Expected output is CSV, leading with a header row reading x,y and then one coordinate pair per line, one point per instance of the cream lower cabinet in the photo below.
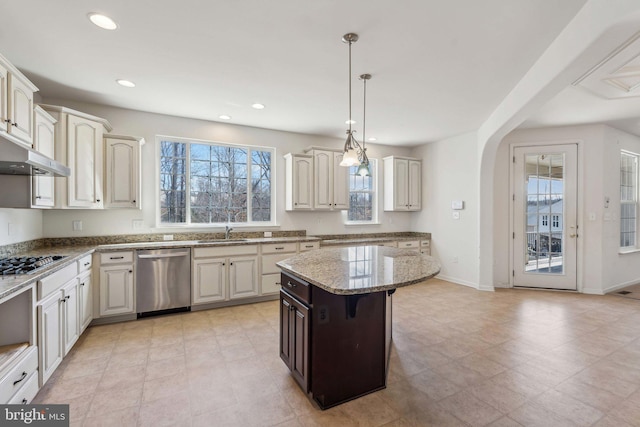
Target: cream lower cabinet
x,y
116,283
224,273
70,314
50,331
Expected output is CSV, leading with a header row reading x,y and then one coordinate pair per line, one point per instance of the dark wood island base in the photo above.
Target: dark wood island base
x,y
337,346
335,317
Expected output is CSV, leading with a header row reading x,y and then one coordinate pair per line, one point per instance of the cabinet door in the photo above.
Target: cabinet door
x,y
122,173
116,290
285,328
414,194
50,347
340,183
44,142
401,185
299,336
323,179
84,157
243,277
71,316
4,98
85,298
270,284
302,183
20,110
209,280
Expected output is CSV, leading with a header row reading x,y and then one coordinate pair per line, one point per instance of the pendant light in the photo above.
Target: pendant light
x,y
354,153
350,157
363,169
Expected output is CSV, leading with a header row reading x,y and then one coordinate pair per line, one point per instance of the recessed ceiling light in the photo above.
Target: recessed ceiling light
x,y
258,106
372,139
125,83
103,21
224,117
350,122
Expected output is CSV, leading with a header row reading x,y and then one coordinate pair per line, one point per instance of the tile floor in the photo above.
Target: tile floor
x,y
460,357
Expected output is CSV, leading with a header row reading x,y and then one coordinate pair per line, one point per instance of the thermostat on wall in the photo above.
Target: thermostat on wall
x,y
457,204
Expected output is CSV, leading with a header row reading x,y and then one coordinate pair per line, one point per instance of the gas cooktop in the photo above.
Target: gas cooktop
x,y
26,265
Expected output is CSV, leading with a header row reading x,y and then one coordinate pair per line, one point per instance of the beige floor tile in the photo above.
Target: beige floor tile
x,y
81,368
127,417
433,385
470,409
172,410
504,422
592,396
370,410
568,407
534,415
109,401
166,367
498,396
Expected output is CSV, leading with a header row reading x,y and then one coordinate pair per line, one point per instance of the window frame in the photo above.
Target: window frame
x,y
373,168
630,202
188,224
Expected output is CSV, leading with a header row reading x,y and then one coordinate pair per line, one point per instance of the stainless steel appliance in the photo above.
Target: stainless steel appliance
x,y
26,265
16,159
163,280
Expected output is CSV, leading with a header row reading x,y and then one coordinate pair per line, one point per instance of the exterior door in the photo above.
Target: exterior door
x,y
545,228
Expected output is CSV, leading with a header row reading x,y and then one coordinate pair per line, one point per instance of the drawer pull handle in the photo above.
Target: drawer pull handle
x,y
116,257
279,248
278,283
291,285
24,375
25,401
308,246
87,264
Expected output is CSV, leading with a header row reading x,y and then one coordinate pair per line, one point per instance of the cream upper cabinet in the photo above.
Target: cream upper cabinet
x,y
330,180
80,146
402,184
299,182
43,142
16,104
122,171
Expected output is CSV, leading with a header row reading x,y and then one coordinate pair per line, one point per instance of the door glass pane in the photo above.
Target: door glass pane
x,y
544,186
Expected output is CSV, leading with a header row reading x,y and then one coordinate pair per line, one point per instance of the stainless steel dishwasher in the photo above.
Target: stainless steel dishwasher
x,y
163,280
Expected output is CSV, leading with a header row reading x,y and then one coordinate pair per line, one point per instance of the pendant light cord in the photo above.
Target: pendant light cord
x,y
350,42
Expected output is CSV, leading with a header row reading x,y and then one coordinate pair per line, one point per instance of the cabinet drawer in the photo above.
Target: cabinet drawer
x,y
270,284
52,282
269,262
84,263
308,246
409,244
28,391
224,251
296,287
272,248
16,378
123,257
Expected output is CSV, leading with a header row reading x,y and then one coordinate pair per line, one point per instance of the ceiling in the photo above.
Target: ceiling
x,y
439,68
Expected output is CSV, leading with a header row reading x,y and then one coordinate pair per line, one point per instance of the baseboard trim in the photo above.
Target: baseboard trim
x,y
464,282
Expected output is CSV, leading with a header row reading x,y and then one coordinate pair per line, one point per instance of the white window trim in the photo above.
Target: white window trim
x,y
376,198
636,247
159,225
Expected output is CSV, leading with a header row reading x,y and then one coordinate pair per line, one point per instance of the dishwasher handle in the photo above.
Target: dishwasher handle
x,y
172,255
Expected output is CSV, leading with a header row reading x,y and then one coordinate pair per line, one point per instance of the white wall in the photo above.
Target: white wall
x,y
449,171
58,223
601,268
19,225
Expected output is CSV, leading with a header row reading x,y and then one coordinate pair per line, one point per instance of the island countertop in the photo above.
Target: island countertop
x,y
361,269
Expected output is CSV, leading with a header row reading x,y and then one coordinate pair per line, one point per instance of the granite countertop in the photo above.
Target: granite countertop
x,y
361,269
13,283
373,240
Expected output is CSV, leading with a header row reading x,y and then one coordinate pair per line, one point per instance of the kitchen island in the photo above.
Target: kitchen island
x,y
336,313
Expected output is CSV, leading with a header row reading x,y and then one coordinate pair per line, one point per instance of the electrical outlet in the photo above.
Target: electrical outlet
x,y
167,236
268,234
454,260
77,225
138,223
9,229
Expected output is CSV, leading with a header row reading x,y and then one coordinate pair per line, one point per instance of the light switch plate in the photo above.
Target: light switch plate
x,y
457,204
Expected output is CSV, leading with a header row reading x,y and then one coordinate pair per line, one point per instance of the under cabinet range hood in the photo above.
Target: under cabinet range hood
x,y
16,159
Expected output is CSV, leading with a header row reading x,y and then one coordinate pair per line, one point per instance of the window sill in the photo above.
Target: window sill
x,y
200,227
361,223
628,251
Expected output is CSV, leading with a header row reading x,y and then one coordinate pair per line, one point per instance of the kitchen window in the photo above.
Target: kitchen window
x,y
628,199
362,196
204,183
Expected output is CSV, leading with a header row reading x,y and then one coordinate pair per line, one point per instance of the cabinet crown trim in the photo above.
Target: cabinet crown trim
x,y
314,147
61,109
17,73
138,139
402,158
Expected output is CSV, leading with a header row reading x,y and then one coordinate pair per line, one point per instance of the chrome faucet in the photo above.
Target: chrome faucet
x,y
227,231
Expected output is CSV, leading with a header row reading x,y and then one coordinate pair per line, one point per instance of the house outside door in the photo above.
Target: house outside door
x,y
545,227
